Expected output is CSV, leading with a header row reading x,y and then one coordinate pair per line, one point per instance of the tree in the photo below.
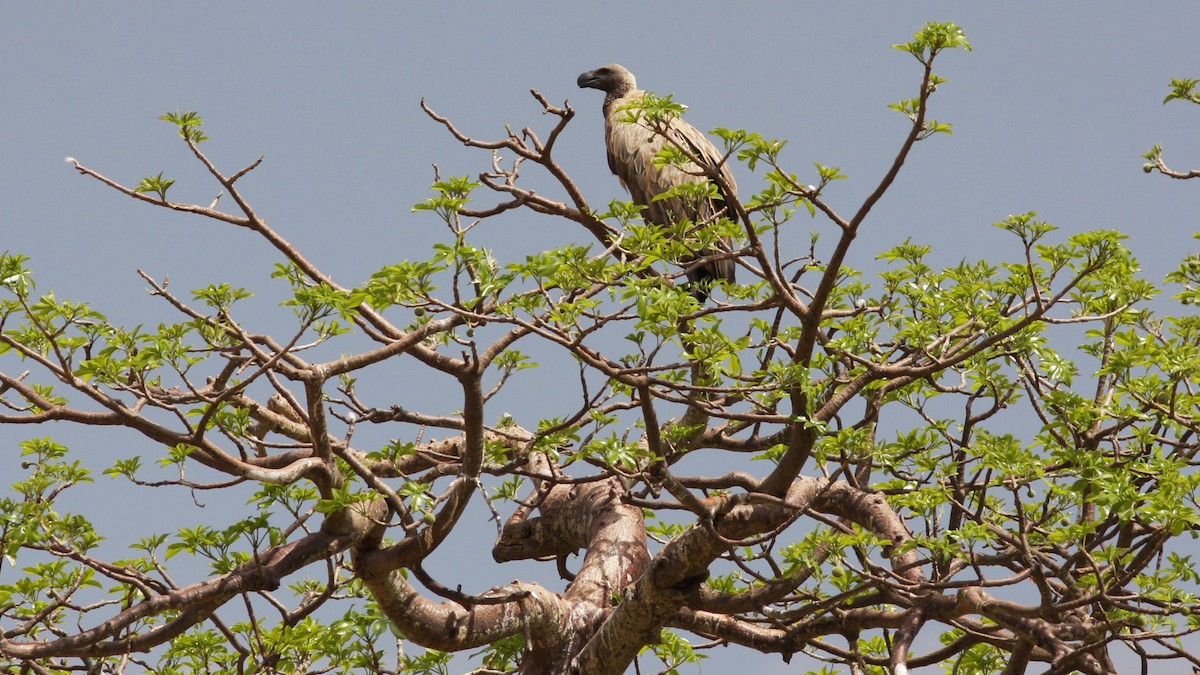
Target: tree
x,y
1021,501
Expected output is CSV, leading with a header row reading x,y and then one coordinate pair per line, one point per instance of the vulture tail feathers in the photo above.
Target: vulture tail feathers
x,y
702,276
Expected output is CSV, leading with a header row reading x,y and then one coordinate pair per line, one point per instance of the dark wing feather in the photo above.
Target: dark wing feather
x,y
697,144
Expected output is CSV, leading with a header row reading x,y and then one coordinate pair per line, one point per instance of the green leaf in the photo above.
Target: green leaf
x,y
156,184
188,123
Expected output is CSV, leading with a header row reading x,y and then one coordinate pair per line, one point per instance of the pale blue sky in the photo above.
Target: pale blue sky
x,y
1050,112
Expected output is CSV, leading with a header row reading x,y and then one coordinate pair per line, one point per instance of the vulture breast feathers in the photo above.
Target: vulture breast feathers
x,y
631,149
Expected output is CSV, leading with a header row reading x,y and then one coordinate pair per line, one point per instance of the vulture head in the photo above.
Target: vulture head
x,y
613,79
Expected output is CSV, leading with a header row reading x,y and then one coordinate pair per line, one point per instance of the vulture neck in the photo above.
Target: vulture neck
x,y
619,97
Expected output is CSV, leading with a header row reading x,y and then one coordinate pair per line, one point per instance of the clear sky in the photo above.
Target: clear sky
x,y
1050,113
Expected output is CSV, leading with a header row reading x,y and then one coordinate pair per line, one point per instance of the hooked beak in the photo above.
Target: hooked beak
x,y
588,80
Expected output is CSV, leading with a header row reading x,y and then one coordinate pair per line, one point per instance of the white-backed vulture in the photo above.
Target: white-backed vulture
x,y
631,150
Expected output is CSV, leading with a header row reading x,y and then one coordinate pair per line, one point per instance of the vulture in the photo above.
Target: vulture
x,y
631,149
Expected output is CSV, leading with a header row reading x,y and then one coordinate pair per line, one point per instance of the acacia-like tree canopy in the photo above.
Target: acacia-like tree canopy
x,y
988,467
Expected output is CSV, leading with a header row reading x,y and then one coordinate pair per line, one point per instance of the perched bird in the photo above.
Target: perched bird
x,y
631,150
